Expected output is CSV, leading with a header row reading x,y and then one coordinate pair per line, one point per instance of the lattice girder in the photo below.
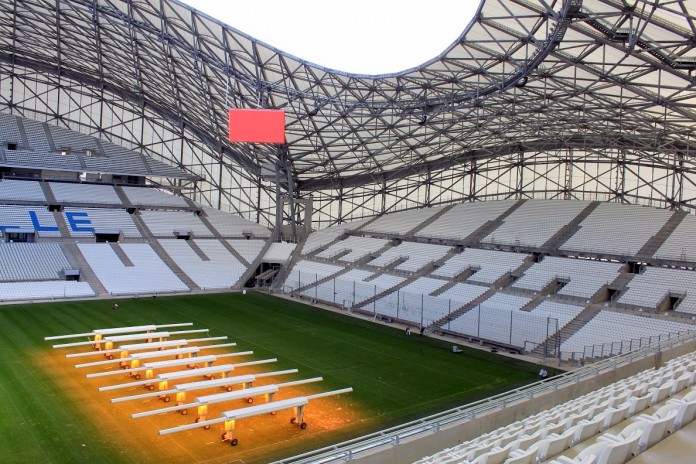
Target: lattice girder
x,y
526,79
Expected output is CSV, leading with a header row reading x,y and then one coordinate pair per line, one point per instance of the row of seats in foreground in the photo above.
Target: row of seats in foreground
x,y
608,426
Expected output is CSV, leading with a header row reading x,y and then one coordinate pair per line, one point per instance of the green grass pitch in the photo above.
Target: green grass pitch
x,y
395,377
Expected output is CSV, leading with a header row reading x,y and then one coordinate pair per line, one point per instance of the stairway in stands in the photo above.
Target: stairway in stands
x,y
152,241
564,233
122,196
77,261
224,242
22,132
125,260
48,193
196,249
424,271
440,323
572,327
621,282
378,271
430,220
489,226
173,266
361,263
655,242
459,278
503,281
357,264
62,226
255,264
325,246
295,257
142,228
619,286
534,302
322,280
57,215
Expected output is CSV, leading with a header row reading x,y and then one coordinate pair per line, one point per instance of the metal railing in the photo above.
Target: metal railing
x,y
350,449
604,350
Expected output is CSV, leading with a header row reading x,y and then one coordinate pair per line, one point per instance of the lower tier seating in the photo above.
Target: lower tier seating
x,y
610,425
147,274
45,290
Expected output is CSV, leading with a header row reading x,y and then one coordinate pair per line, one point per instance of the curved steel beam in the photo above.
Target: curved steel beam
x,y
579,142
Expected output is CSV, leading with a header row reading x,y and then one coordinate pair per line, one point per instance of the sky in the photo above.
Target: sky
x,y
357,36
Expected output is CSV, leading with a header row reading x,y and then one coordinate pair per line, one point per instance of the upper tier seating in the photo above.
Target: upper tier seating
x,y
491,265
462,220
416,255
681,244
121,159
9,129
147,196
149,274
36,134
28,218
608,326
655,284
230,225
21,190
323,237
279,252
221,270
248,249
535,222
357,247
159,168
166,223
402,222
76,141
585,277
614,228
120,165
72,151
40,159
85,222
31,261
66,192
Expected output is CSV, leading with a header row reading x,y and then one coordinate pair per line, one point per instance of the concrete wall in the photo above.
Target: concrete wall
x,y
416,448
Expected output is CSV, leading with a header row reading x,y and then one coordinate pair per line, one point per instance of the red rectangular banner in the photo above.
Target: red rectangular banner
x,y
257,126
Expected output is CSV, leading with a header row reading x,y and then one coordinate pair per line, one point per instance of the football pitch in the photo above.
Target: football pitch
x,y
51,413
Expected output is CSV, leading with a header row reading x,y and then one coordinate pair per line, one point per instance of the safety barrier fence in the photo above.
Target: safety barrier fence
x,y
495,324
352,449
604,350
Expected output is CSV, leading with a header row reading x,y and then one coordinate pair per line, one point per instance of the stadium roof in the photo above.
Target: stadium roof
x,y
585,82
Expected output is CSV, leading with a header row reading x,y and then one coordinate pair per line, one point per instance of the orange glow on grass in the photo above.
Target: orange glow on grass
x,y
260,438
